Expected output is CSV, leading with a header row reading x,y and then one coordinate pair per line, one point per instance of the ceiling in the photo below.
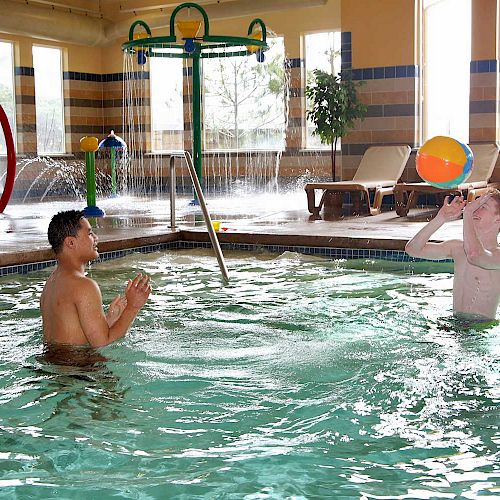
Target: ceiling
x,y
114,10
99,22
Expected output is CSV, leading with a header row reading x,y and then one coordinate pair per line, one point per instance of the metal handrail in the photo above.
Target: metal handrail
x,y
173,156
206,215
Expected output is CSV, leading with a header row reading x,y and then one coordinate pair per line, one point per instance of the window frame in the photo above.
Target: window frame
x,y
230,150
305,138
423,133
151,107
13,125
61,66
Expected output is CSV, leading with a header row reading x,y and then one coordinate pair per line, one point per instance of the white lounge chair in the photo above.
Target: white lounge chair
x,y
485,158
379,171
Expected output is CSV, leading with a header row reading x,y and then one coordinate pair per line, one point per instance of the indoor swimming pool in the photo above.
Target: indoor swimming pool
x,y
303,378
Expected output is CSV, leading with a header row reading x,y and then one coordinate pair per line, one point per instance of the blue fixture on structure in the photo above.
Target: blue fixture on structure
x,y
113,142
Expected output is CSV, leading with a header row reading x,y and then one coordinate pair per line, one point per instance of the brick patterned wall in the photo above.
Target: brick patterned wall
x,y
483,105
25,110
83,108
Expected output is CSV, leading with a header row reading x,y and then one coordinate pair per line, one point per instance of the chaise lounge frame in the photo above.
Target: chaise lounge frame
x,y
485,158
379,170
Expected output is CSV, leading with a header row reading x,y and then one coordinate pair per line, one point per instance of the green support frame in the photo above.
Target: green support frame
x,y
197,48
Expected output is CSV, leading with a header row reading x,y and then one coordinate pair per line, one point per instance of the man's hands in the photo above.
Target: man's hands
x,y
452,210
115,310
472,206
137,292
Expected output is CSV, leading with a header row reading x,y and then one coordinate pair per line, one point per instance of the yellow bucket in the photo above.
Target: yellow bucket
x,y
216,225
189,29
254,48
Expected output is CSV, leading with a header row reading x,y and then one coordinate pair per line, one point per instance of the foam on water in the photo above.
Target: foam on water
x,y
302,378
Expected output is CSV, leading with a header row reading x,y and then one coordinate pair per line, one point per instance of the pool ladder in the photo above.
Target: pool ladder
x,y
203,205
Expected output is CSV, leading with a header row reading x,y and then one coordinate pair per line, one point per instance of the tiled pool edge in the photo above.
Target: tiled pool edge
x,y
327,252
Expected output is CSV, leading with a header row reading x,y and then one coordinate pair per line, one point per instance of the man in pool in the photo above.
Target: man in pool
x,y
71,303
476,284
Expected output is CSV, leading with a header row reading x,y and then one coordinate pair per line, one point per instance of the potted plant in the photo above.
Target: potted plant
x,y
334,107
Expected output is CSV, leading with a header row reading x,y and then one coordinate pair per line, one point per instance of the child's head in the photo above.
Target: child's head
x,y
61,226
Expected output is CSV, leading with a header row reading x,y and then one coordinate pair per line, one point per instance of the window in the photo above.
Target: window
x,y
446,74
322,52
49,100
7,99
167,121
244,101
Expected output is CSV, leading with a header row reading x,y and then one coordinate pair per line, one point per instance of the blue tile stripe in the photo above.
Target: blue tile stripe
x,y
24,71
110,77
327,252
345,50
295,62
385,72
484,66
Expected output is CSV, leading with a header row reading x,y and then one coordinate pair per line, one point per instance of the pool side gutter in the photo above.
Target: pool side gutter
x,y
328,246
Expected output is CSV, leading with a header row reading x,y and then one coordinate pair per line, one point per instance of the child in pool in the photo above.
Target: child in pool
x,y
476,284
71,303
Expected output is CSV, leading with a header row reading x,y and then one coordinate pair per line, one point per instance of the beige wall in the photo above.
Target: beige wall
x,y
382,31
483,35
77,57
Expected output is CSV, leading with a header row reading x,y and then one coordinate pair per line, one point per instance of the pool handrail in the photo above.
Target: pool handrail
x,y
173,156
206,215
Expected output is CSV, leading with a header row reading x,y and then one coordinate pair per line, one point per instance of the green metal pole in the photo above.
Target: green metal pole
x,y
90,168
113,171
197,116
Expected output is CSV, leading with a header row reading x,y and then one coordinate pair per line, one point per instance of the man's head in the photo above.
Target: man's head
x,y
487,215
61,226
494,196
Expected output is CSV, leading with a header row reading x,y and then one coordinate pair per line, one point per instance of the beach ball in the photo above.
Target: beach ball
x,y
444,162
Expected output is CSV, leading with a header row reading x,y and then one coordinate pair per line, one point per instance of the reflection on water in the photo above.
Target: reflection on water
x,y
301,378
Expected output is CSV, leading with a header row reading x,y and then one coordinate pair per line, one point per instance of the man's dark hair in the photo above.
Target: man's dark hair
x,y
62,225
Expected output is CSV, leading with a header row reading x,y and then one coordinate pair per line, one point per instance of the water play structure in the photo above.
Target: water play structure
x,y
189,45
11,161
90,145
114,144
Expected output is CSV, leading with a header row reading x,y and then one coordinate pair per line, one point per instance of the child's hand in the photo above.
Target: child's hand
x,y
452,210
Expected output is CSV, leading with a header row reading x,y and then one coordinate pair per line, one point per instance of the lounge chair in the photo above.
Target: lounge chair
x,y
379,170
485,157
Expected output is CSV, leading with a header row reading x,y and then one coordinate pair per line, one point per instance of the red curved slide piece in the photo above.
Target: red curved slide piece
x,y
11,161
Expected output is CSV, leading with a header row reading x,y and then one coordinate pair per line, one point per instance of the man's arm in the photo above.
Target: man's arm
x,y
92,319
476,254
419,245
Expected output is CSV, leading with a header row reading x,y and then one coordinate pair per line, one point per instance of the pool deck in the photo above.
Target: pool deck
x,y
262,220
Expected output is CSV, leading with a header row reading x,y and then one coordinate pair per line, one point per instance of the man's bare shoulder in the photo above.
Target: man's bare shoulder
x,y
86,286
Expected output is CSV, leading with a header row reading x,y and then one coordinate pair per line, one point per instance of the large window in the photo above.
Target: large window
x,y
446,73
49,102
322,51
7,90
167,121
244,101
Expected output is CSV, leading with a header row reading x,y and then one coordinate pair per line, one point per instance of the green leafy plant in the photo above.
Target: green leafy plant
x,y
334,107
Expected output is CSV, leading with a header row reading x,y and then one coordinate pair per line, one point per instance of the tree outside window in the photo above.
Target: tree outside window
x,y
244,101
322,52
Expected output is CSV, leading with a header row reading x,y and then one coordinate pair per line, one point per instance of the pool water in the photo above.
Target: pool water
x,y
303,378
